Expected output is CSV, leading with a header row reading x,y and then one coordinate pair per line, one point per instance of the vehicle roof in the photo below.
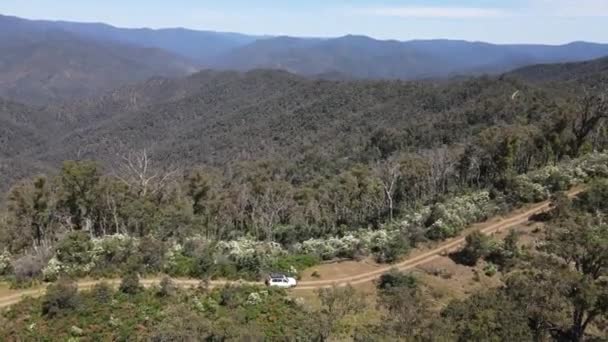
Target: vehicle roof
x,y
277,275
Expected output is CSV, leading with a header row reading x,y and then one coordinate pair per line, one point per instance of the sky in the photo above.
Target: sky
x,y
497,21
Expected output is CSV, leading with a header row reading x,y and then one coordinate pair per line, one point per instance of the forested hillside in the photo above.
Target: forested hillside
x,y
593,72
228,175
215,117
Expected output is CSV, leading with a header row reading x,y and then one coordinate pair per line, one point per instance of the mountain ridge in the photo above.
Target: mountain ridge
x,y
39,66
357,56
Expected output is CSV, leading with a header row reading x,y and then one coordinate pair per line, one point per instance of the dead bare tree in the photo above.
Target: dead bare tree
x,y
269,207
442,162
593,109
137,172
389,172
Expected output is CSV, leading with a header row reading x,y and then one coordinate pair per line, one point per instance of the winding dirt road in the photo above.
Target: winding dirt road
x,y
412,262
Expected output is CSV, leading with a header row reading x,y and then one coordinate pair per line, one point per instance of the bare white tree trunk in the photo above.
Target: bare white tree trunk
x,y
138,174
389,173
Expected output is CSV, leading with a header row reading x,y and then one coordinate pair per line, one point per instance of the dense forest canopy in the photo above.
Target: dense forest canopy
x,y
216,117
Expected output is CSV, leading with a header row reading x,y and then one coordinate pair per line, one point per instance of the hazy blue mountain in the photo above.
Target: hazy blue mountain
x,y
364,57
200,46
348,57
40,65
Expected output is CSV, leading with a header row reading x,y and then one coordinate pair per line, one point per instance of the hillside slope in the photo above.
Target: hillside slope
x,y
215,117
594,70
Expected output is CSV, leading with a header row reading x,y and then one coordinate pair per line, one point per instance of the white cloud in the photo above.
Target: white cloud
x,y
527,8
434,12
570,8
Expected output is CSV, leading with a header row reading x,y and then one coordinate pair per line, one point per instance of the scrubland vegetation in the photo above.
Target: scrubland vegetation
x,y
556,290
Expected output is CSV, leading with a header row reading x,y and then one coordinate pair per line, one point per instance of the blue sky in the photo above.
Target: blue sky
x,y
506,21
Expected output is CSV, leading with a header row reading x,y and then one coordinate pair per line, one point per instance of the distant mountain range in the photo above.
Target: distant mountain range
x,y
367,58
41,65
44,62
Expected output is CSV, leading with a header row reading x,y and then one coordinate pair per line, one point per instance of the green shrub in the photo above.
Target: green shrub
x,y
167,288
506,254
490,270
59,297
103,293
75,249
112,253
151,252
205,264
478,245
252,265
130,284
182,266
559,181
523,189
395,279
225,269
288,235
596,198
294,264
393,250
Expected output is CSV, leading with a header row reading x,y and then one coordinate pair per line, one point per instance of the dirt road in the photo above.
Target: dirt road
x,y
412,262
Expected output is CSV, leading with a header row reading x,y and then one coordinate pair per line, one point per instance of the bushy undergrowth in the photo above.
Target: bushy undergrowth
x,y
5,263
158,314
450,218
79,255
538,185
196,257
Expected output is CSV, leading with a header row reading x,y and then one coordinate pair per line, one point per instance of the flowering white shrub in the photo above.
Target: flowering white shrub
x,y
376,239
594,164
318,247
538,185
529,191
52,270
243,247
207,304
292,270
416,219
451,217
559,177
105,249
112,246
256,298
173,253
361,241
5,262
574,171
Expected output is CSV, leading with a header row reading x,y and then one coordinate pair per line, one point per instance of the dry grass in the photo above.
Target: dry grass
x,y
340,270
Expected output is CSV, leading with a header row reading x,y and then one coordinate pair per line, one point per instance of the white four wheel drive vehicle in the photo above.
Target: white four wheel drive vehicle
x,y
280,280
